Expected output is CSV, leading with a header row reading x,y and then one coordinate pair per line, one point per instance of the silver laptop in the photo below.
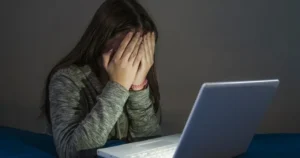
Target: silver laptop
x,y
222,123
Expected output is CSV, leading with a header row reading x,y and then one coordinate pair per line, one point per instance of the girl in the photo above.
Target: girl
x,y
106,87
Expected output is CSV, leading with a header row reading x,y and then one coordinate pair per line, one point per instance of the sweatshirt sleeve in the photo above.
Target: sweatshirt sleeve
x,y
73,127
144,122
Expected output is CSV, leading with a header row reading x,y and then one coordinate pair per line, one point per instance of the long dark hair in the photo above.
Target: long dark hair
x,y
112,17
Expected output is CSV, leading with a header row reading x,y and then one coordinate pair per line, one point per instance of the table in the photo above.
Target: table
x,y
21,144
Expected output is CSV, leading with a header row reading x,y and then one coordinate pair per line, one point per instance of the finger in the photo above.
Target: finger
x,y
148,42
153,42
149,56
136,50
152,45
148,49
106,58
123,46
139,56
149,52
129,49
145,49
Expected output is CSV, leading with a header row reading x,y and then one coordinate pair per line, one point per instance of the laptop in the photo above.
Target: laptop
x,y
221,124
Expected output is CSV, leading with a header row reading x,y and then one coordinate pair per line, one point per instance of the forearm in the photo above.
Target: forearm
x,y
75,129
143,119
90,133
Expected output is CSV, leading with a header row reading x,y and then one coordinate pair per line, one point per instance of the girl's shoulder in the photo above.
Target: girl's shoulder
x,y
73,73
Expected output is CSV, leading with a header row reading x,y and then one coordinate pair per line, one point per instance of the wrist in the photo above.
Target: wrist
x,y
139,87
124,85
139,81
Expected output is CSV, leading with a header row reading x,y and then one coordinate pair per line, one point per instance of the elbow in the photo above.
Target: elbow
x,y
67,151
76,148
66,148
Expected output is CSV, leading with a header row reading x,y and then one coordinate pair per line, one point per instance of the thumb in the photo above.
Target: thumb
x,y
106,58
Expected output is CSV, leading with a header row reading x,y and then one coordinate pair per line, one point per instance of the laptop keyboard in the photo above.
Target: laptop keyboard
x,y
164,152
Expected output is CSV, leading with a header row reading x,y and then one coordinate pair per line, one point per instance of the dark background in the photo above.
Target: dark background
x,y
200,41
